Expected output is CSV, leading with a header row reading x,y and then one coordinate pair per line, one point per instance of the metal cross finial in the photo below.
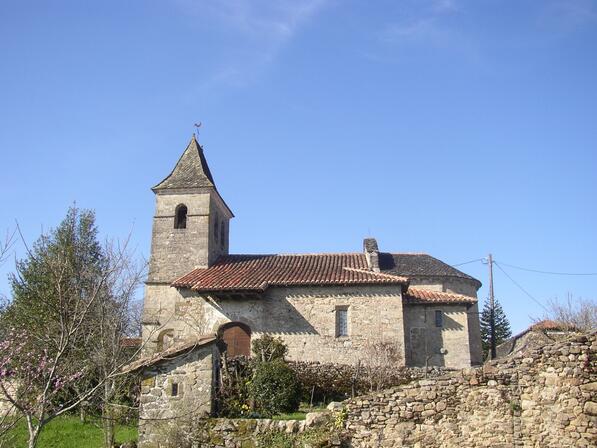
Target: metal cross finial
x,y
198,125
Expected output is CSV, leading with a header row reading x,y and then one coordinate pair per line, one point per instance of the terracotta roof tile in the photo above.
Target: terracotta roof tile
x,y
258,272
420,295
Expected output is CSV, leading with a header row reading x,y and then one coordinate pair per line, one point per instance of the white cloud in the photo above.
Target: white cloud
x,y
276,19
421,21
443,6
261,29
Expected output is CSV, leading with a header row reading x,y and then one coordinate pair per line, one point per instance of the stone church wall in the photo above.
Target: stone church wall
x,y
548,399
447,345
305,319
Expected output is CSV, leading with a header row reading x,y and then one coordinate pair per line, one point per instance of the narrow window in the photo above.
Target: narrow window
x,y
174,389
222,233
180,217
216,229
341,322
439,318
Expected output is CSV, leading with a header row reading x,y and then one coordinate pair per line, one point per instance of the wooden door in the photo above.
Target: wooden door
x,y
237,340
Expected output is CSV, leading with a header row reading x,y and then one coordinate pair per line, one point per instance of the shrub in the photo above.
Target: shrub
x,y
233,399
268,348
274,388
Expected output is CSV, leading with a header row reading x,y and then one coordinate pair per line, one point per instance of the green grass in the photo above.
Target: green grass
x,y
69,432
291,416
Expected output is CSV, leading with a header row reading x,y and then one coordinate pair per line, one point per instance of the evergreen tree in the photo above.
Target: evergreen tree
x,y
64,265
502,326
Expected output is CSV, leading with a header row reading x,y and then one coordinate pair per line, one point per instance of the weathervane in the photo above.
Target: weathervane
x,y
198,125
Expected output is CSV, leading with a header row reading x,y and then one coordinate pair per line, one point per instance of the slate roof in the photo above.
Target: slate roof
x,y
191,170
169,353
258,272
419,265
416,295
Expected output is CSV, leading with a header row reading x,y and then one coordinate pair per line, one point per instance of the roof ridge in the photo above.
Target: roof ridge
x,y
417,288
294,254
408,253
381,274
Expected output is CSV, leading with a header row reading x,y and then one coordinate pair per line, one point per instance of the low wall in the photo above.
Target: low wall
x,y
331,381
251,433
547,399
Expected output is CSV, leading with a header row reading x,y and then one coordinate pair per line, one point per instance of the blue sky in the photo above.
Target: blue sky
x,y
451,127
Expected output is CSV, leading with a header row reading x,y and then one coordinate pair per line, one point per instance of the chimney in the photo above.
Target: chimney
x,y
371,253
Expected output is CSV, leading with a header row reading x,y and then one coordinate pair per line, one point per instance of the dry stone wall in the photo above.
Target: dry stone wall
x,y
317,430
546,399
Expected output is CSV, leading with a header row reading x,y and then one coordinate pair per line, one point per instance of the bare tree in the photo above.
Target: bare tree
x,y
114,320
575,314
6,245
382,360
8,419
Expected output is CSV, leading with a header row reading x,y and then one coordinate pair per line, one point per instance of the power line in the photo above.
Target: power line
x,y
520,287
547,272
467,262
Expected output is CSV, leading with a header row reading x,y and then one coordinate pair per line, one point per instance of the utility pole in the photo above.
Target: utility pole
x,y
492,307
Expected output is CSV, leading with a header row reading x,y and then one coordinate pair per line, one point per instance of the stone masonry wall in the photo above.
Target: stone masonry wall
x,y
175,252
447,345
305,319
162,409
547,399
253,433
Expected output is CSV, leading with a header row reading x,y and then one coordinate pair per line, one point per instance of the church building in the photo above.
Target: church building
x,y
327,307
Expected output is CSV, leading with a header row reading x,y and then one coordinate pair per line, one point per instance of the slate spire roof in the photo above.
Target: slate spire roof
x,y
191,171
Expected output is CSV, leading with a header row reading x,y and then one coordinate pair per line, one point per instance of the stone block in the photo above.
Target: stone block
x,y
590,408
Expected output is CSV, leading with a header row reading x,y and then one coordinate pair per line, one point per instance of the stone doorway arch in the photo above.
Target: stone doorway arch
x,y
236,338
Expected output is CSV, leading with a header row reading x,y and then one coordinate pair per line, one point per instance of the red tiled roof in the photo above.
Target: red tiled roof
x,y
258,272
419,295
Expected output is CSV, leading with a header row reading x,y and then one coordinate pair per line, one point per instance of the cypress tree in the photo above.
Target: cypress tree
x,y
502,326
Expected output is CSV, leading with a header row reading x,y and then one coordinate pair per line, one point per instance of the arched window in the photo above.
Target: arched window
x,y
165,339
236,338
222,234
216,229
180,217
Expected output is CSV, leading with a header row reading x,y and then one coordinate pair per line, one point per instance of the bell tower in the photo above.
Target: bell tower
x,y
191,221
